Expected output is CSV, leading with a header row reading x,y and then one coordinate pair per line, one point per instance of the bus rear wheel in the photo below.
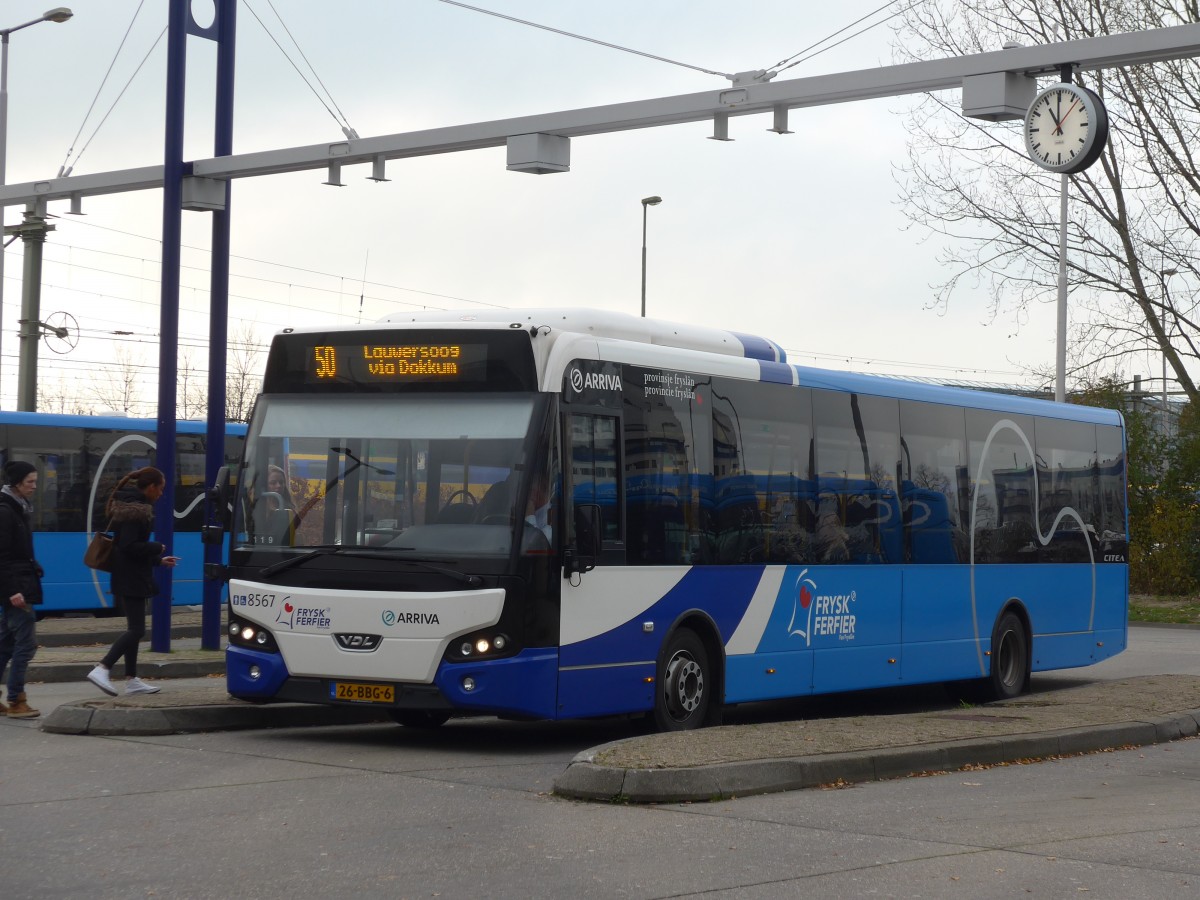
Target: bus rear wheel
x,y
419,718
684,689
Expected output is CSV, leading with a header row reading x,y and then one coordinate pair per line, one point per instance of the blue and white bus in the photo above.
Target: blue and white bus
x,y
79,460
570,513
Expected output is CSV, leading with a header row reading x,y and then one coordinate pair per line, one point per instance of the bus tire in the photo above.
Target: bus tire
x,y
419,718
1010,660
685,684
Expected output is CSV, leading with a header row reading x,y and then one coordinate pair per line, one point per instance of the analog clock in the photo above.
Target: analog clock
x,y
1066,128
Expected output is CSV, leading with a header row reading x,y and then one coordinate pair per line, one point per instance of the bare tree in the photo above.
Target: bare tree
x,y
56,397
119,389
1134,233
243,376
192,394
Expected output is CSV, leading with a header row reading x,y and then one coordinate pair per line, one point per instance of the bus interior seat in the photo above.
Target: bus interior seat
x,y
277,526
499,499
456,514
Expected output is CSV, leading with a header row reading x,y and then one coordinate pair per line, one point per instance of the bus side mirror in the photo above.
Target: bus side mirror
x,y
588,530
218,497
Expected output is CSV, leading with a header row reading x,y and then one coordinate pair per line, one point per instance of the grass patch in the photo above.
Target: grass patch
x,y
1164,609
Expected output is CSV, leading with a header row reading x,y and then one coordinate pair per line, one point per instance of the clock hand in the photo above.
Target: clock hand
x,y
1070,109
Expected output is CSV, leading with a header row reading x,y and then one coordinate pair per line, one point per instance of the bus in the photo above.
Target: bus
x,y
79,460
562,513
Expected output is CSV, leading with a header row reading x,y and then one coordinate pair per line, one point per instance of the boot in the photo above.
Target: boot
x,y
3,709
21,709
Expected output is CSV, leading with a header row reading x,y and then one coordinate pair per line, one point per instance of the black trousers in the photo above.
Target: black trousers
x,y
127,644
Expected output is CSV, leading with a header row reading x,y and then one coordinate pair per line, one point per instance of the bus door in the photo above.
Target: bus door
x,y
604,656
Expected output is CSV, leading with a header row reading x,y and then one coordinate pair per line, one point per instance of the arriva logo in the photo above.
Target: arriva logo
x,y
598,381
391,617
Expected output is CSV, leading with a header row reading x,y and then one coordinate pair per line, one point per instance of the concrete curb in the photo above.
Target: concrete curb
x,y
584,780
58,673
90,717
49,638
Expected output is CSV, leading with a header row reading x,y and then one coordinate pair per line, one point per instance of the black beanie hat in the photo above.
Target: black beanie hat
x,y
17,471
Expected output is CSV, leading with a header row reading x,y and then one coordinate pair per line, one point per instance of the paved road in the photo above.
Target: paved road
x,y
380,811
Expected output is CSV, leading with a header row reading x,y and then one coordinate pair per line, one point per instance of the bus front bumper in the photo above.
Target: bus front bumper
x,y
525,685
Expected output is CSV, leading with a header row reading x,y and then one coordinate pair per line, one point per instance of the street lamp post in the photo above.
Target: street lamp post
x,y
646,202
58,14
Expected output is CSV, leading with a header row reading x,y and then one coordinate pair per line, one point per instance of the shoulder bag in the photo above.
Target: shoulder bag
x,y
99,551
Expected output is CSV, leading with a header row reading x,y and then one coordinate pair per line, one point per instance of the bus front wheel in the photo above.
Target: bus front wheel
x,y
419,718
684,689
1009,675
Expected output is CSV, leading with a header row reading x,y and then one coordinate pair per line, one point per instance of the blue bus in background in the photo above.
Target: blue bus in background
x,y
79,460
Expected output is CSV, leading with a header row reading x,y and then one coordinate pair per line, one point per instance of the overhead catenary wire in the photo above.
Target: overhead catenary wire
x,y
581,37
251,259
780,66
200,341
341,120
65,169
346,126
788,59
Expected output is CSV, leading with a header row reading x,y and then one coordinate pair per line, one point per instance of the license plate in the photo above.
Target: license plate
x,y
362,693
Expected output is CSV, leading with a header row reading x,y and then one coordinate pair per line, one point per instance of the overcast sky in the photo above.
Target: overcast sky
x,y
797,237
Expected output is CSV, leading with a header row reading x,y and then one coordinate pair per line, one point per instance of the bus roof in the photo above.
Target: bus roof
x,y
110,421
613,328
613,325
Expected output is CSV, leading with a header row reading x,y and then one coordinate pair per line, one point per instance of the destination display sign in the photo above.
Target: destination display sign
x,y
367,362
394,360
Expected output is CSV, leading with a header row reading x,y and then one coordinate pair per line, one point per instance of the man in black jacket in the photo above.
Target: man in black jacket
x,y
20,584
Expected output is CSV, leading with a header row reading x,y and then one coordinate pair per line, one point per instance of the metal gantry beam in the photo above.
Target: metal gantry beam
x,y
772,97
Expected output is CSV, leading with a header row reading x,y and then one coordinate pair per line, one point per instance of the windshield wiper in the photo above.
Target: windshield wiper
x,y
296,560
367,553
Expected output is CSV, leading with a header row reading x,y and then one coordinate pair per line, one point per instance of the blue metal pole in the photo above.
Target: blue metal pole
x,y
218,325
172,235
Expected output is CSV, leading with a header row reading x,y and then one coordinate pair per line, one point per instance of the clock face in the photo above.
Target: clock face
x,y
1066,128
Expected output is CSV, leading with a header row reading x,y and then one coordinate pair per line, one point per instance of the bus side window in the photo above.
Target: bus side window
x,y
592,460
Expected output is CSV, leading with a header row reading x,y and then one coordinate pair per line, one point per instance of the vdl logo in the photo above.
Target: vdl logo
x,y
602,381
357,643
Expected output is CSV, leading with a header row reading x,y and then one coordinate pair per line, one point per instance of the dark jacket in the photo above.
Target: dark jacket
x,y
19,571
134,554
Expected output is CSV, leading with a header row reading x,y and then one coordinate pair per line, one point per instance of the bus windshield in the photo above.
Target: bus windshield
x,y
427,476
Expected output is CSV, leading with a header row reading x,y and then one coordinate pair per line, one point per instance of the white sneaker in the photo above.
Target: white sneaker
x,y
137,686
99,677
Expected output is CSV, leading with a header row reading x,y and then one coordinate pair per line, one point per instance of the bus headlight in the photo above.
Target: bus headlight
x,y
483,645
249,634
